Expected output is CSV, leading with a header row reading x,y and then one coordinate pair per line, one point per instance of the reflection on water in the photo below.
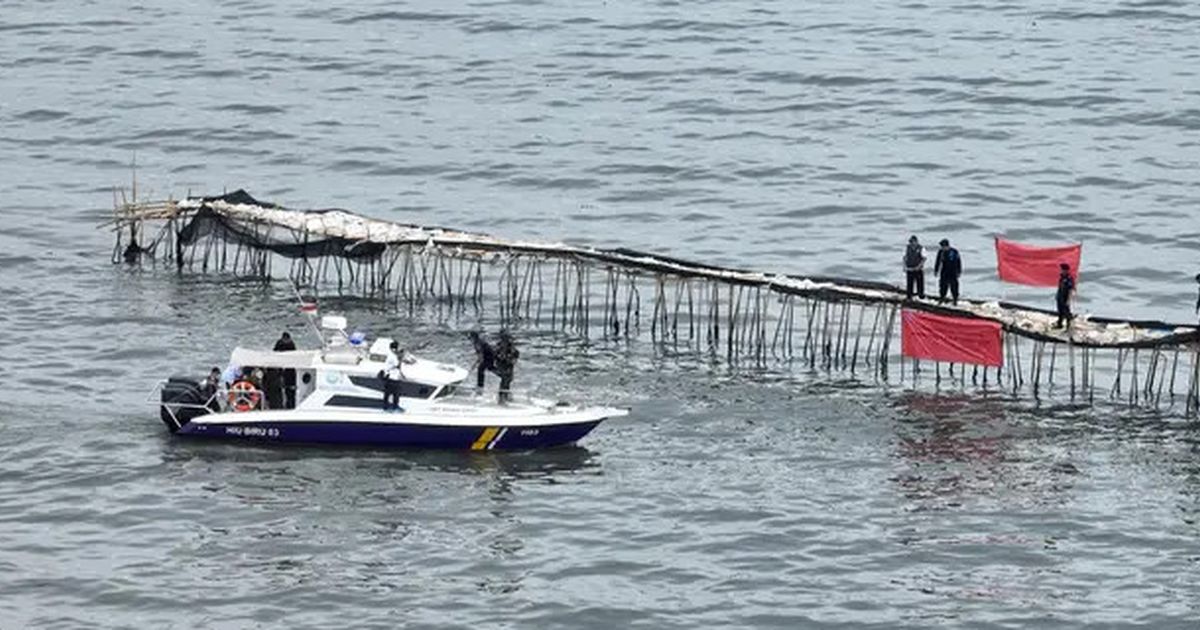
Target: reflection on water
x,y
398,510
529,464
957,449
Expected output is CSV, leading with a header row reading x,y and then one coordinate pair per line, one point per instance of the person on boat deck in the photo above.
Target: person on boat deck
x,y
273,388
1066,286
506,364
285,383
485,357
948,267
209,388
391,378
914,268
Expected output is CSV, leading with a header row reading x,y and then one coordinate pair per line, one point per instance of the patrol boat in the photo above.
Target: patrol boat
x,y
339,396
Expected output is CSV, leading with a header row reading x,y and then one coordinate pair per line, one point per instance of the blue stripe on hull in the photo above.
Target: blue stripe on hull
x,y
391,435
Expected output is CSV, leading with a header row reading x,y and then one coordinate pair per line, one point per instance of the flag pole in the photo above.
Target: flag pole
x,y
996,251
310,311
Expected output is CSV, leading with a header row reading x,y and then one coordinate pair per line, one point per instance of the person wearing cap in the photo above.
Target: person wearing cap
x,y
914,268
948,267
1066,287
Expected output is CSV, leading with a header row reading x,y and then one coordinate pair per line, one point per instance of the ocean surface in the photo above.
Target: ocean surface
x,y
804,137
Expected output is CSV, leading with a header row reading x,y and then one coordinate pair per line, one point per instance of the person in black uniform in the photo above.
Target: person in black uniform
x,y
914,268
1062,299
506,363
285,382
485,357
948,267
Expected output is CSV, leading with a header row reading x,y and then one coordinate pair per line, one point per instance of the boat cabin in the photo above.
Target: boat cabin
x,y
346,373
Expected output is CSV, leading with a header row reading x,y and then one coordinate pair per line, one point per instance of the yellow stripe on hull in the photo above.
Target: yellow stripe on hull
x,y
484,438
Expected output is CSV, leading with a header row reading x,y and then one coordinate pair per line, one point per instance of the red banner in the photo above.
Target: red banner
x,y
951,339
1032,265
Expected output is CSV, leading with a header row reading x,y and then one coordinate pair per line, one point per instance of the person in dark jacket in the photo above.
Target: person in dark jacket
x,y
948,267
1062,299
286,380
506,363
914,268
485,357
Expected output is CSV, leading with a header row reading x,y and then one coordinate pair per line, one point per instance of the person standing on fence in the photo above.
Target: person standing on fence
x,y
1066,288
506,364
914,268
948,267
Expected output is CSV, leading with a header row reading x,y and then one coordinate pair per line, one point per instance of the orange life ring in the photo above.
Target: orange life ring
x,y
244,396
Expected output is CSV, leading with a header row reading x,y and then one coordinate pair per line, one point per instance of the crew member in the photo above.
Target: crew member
x,y
286,383
209,388
948,266
506,364
914,268
1066,287
391,378
485,357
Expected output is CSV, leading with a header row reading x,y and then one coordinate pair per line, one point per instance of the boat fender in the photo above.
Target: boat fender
x,y
244,396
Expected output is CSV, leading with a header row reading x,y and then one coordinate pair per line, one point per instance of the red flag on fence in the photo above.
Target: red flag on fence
x,y
951,339
1037,266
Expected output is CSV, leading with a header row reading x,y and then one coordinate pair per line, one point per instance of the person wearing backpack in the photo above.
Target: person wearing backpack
x,y
948,267
914,268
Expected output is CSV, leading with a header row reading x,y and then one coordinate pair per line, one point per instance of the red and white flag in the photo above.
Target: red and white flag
x,y
1033,265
